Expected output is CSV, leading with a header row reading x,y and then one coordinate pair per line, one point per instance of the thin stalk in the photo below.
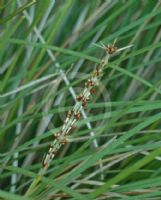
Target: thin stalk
x,y
72,117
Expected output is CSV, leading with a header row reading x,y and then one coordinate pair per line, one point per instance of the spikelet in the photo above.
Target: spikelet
x,y
74,115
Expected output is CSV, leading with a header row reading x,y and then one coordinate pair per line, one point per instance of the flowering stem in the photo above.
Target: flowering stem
x,y
72,117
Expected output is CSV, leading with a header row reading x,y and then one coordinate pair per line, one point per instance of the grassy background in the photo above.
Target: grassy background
x,y
47,53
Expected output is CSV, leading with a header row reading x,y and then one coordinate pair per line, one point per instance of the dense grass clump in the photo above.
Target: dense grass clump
x,y
50,54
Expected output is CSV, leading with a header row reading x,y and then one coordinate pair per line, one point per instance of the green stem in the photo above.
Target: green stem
x,y
33,185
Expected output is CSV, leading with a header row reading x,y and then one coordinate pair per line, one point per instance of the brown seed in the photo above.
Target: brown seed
x,y
89,83
92,91
111,49
80,97
84,103
97,72
55,151
64,141
77,115
103,62
73,127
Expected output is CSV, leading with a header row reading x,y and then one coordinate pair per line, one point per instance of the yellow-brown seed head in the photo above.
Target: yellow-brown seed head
x,y
111,49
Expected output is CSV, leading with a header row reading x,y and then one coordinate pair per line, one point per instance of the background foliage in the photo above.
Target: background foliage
x,y
47,53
